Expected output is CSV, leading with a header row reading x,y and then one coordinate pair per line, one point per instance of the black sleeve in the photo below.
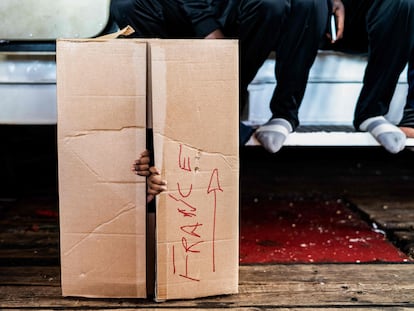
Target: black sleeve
x,y
330,5
201,14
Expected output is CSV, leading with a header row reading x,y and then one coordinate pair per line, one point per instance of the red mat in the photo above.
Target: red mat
x,y
310,231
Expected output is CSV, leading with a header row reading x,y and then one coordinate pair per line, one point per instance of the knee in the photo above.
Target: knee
x,y
312,7
400,10
269,10
309,4
406,18
397,6
273,12
276,8
408,4
121,8
313,12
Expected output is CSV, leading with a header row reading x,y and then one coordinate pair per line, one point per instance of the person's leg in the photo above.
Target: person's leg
x,y
260,23
152,18
390,25
257,24
144,16
295,53
407,122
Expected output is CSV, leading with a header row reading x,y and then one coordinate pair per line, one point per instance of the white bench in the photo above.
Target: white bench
x,y
28,79
326,113
27,70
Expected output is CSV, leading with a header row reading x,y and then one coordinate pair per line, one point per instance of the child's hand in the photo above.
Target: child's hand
x,y
338,9
141,166
155,184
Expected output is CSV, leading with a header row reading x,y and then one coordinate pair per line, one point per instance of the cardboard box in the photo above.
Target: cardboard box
x,y
104,101
195,124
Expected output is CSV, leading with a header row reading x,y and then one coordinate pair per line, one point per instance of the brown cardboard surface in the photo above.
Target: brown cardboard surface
x,y
195,123
192,105
101,88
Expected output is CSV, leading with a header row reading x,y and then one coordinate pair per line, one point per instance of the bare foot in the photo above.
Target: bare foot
x,y
156,184
408,131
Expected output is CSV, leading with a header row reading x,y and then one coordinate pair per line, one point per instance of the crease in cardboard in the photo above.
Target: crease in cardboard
x,y
100,226
94,131
212,153
95,173
115,182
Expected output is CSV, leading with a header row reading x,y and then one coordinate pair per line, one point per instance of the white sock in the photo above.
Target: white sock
x,y
273,134
387,134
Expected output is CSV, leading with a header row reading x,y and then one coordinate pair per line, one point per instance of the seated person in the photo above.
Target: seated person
x,y
384,29
291,28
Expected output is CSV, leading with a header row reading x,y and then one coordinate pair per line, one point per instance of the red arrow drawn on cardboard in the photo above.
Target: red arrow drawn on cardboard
x,y
213,187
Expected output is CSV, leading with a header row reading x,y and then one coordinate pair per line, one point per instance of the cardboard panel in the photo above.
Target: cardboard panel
x,y
195,122
101,96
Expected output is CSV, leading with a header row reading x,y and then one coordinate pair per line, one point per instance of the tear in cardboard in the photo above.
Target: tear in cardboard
x,y
103,104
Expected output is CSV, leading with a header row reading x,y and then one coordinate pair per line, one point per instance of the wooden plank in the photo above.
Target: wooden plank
x,y
389,214
28,224
405,236
25,247
29,256
30,276
405,240
392,213
24,239
273,308
261,309
282,286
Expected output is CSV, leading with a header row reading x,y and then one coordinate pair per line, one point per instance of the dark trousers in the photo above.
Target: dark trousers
x,y
296,48
408,115
386,28
410,79
292,28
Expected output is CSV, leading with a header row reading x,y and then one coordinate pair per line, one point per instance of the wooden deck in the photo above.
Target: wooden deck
x,y
294,287
376,182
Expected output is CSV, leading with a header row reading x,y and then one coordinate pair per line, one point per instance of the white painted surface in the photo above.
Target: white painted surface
x,y
335,81
28,96
329,139
27,89
51,19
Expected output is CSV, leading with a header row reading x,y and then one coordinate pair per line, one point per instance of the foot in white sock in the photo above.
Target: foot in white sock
x,y
273,134
387,134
